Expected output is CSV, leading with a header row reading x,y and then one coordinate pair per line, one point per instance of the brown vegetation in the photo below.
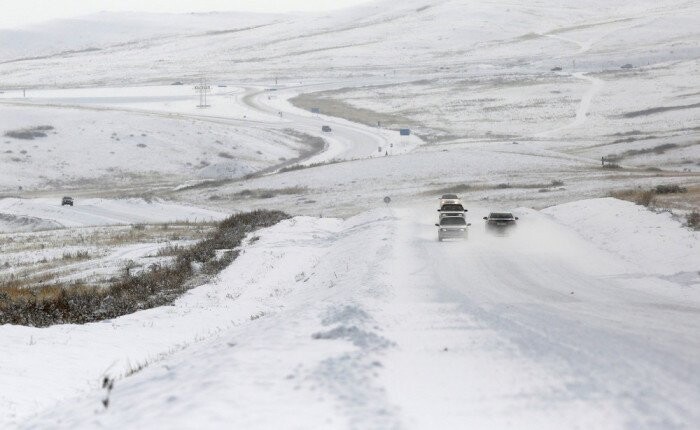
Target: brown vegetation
x,y
158,285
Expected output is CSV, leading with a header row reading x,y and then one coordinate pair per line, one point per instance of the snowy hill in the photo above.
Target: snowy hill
x,y
350,314
382,37
68,37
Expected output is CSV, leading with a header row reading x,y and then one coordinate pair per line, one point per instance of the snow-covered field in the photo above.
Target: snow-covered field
x,y
351,314
371,323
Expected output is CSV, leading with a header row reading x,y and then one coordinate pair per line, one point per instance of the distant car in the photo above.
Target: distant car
x,y
452,228
500,220
326,129
67,201
177,83
450,199
451,210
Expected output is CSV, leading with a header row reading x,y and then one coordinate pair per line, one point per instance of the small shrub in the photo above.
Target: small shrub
x,y
141,145
80,255
669,189
611,166
641,197
139,226
223,154
557,183
503,186
692,220
29,133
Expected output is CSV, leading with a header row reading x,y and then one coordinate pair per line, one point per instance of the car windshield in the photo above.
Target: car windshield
x,y
452,208
453,221
504,216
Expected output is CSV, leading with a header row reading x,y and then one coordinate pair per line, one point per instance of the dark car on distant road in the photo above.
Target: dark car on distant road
x,y
326,129
67,201
500,220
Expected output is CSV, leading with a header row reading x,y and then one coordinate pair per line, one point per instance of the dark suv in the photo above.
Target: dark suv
x,y
67,201
326,128
500,220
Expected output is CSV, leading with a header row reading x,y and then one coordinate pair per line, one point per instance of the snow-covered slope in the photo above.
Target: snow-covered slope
x,y
48,213
413,37
371,323
70,37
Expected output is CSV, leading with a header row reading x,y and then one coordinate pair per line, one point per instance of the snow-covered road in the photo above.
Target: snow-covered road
x,y
372,323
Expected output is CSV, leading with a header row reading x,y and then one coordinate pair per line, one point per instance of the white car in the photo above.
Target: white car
x,y
452,228
451,210
450,199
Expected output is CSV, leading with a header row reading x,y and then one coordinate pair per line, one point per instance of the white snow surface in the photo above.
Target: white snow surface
x,y
584,316
635,230
41,213
372,323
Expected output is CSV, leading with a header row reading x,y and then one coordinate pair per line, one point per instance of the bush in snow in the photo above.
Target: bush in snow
x,y
693,220
29,133
641,197
669,189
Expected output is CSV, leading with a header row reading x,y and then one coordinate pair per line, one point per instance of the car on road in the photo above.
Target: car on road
x,y
451,199
67,201
452,228
452,210
500,220
326,128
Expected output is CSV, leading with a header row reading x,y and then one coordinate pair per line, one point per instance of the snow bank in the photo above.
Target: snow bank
x,y
655,242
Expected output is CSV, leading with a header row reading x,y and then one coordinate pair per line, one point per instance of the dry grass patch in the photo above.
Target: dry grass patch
x,y
158,285
638,196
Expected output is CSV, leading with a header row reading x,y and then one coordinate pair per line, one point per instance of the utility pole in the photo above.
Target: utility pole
x,y
203,88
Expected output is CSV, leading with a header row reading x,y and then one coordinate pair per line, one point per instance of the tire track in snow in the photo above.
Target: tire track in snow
x,y
583,107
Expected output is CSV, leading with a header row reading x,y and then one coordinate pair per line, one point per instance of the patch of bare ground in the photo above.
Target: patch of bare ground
x,y
328,105
268,193
464,188
670,196
660,109
103,236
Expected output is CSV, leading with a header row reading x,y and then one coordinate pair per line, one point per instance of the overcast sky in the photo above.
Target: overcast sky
x,y
20,13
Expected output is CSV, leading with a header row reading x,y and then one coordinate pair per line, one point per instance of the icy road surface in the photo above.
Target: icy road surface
x,y
372,323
